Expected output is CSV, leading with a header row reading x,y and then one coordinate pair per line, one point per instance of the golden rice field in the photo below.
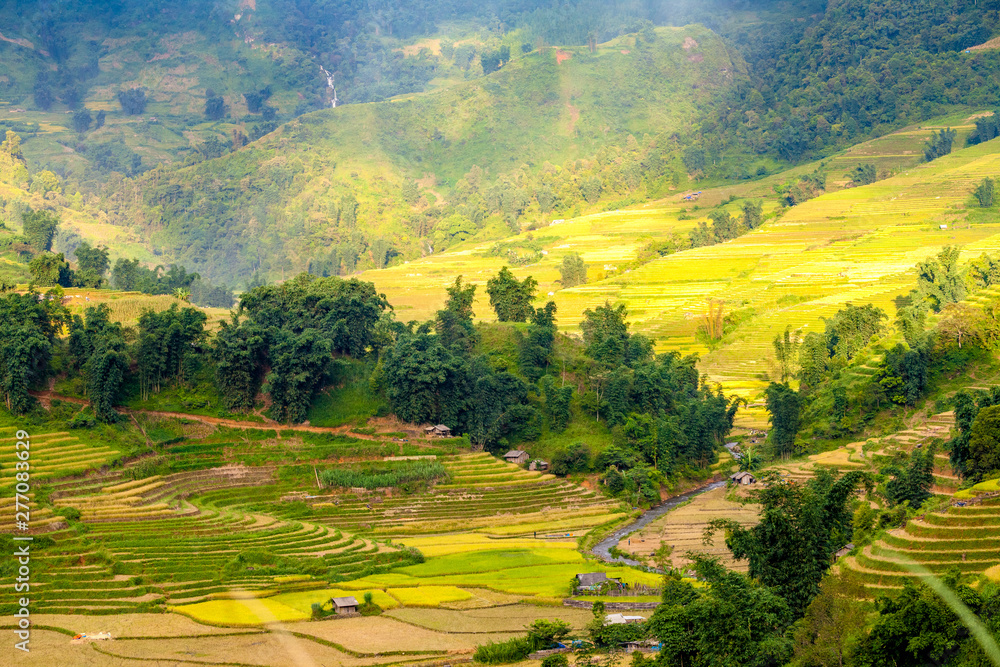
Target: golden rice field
x,y
851,245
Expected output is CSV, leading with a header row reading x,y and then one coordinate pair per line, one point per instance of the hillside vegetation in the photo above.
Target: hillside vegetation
x,y
375,181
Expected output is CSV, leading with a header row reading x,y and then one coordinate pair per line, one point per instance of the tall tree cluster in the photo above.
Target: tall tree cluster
x,y
170,343
97,347
29,327
283,338
437,376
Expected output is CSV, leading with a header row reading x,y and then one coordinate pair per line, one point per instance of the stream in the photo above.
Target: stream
x,y
603,548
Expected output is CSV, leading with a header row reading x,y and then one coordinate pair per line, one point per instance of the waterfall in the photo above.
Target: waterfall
x,y
330,86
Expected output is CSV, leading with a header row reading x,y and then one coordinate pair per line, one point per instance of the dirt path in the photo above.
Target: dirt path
x,y
49,396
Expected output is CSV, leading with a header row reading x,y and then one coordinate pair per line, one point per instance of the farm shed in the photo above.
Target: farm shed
x,y
348,605
593,581
844,550
516,456
439,431
743,478
538,465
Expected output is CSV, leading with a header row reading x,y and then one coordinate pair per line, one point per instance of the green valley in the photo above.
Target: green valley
x,y
574,334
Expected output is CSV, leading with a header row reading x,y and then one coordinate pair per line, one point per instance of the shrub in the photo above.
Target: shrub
x,y
69,513
373,477
984,193
133,101
495,653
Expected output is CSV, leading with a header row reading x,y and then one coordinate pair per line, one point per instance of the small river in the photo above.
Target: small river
x,y
603,548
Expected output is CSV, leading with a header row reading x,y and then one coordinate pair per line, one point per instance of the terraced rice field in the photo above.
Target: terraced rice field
x,y
146,544
53,454
855,245
483,493
683,529
962,537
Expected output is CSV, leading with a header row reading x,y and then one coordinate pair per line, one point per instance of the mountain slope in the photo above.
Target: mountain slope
x,y
852,244
345,176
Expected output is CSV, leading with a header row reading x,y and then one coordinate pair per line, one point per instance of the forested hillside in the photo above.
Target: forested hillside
x,y
863,69
356,186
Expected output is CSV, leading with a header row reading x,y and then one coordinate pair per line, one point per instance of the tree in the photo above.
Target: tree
x,y
28,331
783,407
39,229
605,332
298,362
724,226
833,624
968,404
984,192
591,188
288,335
960,324
132,101
902,375
48,269
98,347
917,628
785,348
91,265
987,128
424,381
572,270
82,120
939,144
254,101
543,633
535,348
99,119
851,329
168,341
714,320
239,350
497,405
510,298
494,60
732,622
913,482
42,91
453,229
454,322
215,108
801,527
813,359
984,443
864,174
575,458
11,146
753,215
557,404
125,274
940,280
